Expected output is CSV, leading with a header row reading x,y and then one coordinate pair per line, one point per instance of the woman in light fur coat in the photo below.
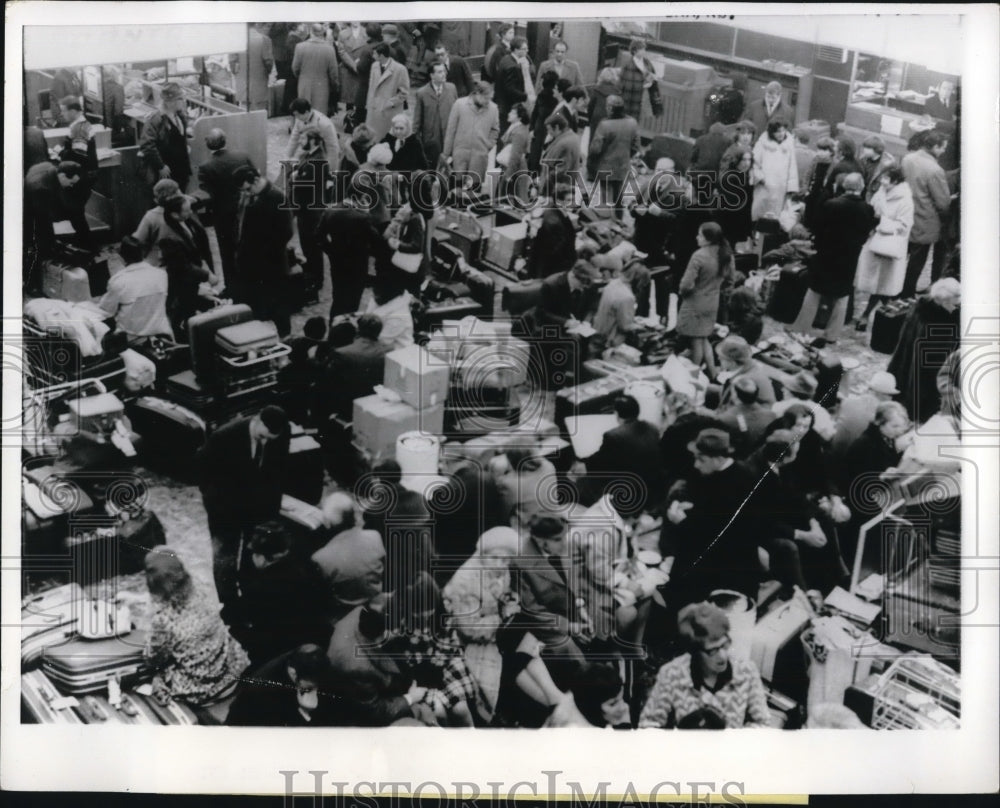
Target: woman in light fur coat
x,y
775,170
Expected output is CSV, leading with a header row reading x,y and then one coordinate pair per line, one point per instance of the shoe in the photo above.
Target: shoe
x,y
861,326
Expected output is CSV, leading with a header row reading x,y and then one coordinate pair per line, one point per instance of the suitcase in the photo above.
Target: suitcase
x,y
589,398
521,297
304,474
171,433
829,372
789,292
44,525
51,358
96,415
461,230
97,268
49,618
887,324
85,666
201,335
305,523
62,282
243,339
773,633
42,703
168,356
172,714
185,389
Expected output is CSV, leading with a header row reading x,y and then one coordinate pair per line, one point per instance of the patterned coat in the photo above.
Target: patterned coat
x,y
631,89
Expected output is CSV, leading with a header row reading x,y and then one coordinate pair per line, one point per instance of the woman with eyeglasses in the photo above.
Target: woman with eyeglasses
x,y
706,688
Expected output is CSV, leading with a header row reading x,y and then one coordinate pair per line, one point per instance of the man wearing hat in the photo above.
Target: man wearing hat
x,y
801,389
856,412
736,358
164,143
747,418
242,475
709,529
561,603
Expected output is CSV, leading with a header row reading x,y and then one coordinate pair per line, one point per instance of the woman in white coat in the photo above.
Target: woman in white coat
x,y
775,170
879,274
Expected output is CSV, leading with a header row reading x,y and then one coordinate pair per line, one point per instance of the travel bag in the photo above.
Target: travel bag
x,y
789,292
42,703
62,282
887,324
49,618
85,666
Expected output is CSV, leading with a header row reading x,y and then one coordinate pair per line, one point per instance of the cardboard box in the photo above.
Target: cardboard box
x,y
420,378
378,423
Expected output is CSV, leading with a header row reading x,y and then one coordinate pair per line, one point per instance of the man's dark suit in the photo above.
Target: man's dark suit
x,y
509,87
551,600
352,372
757,114
560,301
634,449
239,491
347,236
265,228
215,176
554,247
460,75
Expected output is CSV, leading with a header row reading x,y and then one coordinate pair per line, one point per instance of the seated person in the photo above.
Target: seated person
x,y
391,304
744,314
855,413
628,462
597,693
705,687
352,564
616,308
526,484
800,390
137,296
353,370
710,530
193,656
285,692
736,359
280,607
746,418
569,297
683,422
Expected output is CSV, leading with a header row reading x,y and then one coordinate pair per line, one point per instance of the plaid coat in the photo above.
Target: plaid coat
x,y
631,89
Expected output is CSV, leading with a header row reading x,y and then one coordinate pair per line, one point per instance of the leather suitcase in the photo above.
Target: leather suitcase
x,y
172,714
202,329
49,618
40,701
304,475
85,666
171,433
245,338
168,356
887,325
789,292
185,389
461,230
773,633
97,268
62,282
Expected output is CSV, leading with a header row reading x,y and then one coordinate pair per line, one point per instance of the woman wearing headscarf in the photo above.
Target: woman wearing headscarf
x,y
194,657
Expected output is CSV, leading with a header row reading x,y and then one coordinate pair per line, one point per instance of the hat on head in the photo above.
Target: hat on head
x,y
735,348
547,527
390,29
883,382
712,442
171,91
746,385
803,383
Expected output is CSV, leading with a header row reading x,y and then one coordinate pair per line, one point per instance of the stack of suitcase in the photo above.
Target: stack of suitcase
x,y
462,230
83,666
249,357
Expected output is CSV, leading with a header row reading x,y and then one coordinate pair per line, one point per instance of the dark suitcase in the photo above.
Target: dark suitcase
x,y
169,357
461,230
786,300
829,372
304,476
521,297
171,433
42,702
590,398
86,666
97,268
304,523
185,389
50,502
887,325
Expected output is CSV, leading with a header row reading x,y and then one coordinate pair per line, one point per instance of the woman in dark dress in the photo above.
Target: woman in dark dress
x,y
816,186
736,193
411,229
710,268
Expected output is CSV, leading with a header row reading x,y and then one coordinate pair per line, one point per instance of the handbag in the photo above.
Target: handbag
x,y
408,262
503,158
887,245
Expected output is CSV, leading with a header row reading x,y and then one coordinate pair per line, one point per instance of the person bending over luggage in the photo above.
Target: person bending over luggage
x,y
286,692
706,687
194,657
137,296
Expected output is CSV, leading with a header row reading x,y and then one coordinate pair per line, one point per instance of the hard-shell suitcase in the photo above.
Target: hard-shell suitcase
x,y
185,389
43,704
887,325
63,282
245,338
49,618
789,292
85,666
305,524
111,547
170,432
202,329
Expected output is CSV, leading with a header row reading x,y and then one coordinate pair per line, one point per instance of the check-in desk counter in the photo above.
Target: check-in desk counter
x,y
894,126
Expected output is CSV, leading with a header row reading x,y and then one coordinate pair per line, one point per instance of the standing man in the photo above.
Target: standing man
x,y
390,36
473,129
217,177
514,83
931,202
388,91
553,248
561,66
242,473
497,52
875,161
265,228
281,50
347,236
164,143
46,201
842,228
351,42
315,65
941,103
457,69
305,116
431,111
260,60
612,146
365,60
561,156
772,106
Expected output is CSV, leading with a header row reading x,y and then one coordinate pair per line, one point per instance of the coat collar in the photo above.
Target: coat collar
x,y
384,74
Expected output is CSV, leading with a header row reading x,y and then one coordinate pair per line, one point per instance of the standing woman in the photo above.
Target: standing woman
x,y
407,151
607,84
816,187
710,268
514,145
409,233
637,77
545,104
736,193
350,43
878,273
777,173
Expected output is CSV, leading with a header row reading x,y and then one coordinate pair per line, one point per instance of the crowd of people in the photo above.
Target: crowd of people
x,y
506,611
